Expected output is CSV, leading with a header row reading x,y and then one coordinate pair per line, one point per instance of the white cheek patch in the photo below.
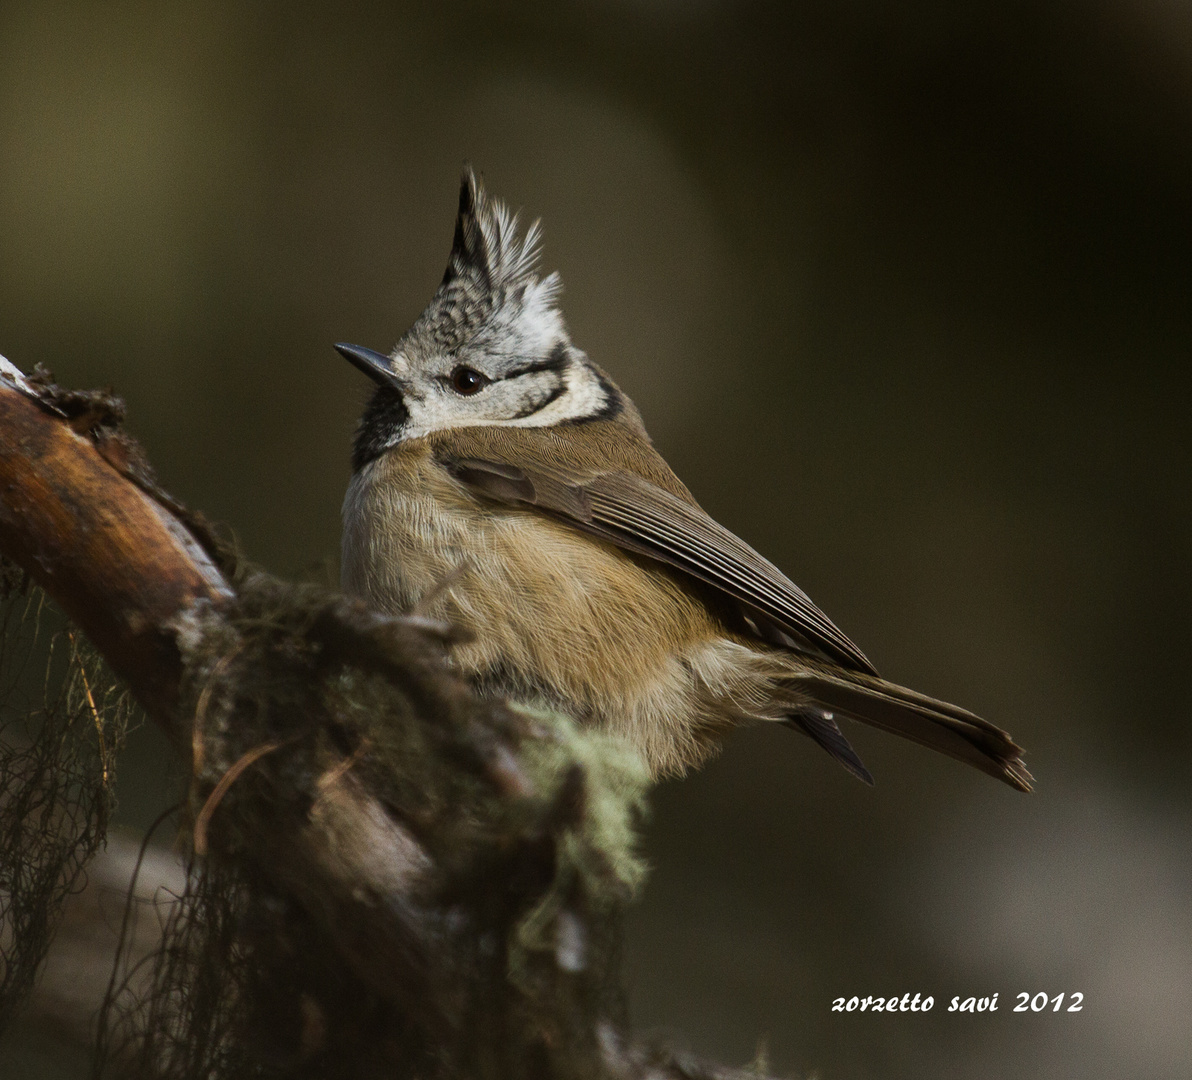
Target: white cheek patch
x,y
585,396
428,413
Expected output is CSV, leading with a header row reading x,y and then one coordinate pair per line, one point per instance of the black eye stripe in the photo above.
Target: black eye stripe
x,y
466,380
550,398
557,361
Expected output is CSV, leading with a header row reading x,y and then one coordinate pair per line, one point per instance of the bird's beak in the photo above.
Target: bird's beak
x,y
377,366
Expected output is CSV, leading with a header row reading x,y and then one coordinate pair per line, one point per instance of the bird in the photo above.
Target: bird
x,y
502,481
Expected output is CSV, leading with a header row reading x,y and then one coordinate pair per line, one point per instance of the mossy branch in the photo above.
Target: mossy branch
x,y
393,877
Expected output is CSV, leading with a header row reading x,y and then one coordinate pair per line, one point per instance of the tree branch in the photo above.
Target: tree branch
x,y
115,559
406,880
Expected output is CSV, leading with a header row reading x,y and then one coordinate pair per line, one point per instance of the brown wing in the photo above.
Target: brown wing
x,y
642,517
637,503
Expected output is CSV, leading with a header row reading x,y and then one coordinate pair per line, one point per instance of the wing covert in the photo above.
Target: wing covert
x,y
639,516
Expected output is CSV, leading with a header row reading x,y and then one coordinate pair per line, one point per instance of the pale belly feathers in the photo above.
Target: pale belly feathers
x,y
558,618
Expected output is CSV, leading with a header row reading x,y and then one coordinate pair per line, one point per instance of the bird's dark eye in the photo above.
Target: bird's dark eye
x,y
468,381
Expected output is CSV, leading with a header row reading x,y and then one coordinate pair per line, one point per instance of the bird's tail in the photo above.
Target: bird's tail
x,y
936,724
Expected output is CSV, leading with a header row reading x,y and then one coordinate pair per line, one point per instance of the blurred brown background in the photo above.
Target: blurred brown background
x,y
903,291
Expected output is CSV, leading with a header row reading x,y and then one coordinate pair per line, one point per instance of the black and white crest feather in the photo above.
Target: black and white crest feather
x,y
491,286
487,249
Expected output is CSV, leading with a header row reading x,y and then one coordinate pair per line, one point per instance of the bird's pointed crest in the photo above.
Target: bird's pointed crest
x,y
469,250
487,250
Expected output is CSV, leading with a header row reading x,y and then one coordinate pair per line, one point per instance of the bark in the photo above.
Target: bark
x,y
117,561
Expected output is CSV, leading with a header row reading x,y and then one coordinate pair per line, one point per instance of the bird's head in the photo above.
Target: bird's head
x,y
491,348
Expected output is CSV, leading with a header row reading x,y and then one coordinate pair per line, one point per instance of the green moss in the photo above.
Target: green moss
x,y
529,822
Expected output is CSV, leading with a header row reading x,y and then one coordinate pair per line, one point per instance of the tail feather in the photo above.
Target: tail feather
x,y
821,726
935,724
